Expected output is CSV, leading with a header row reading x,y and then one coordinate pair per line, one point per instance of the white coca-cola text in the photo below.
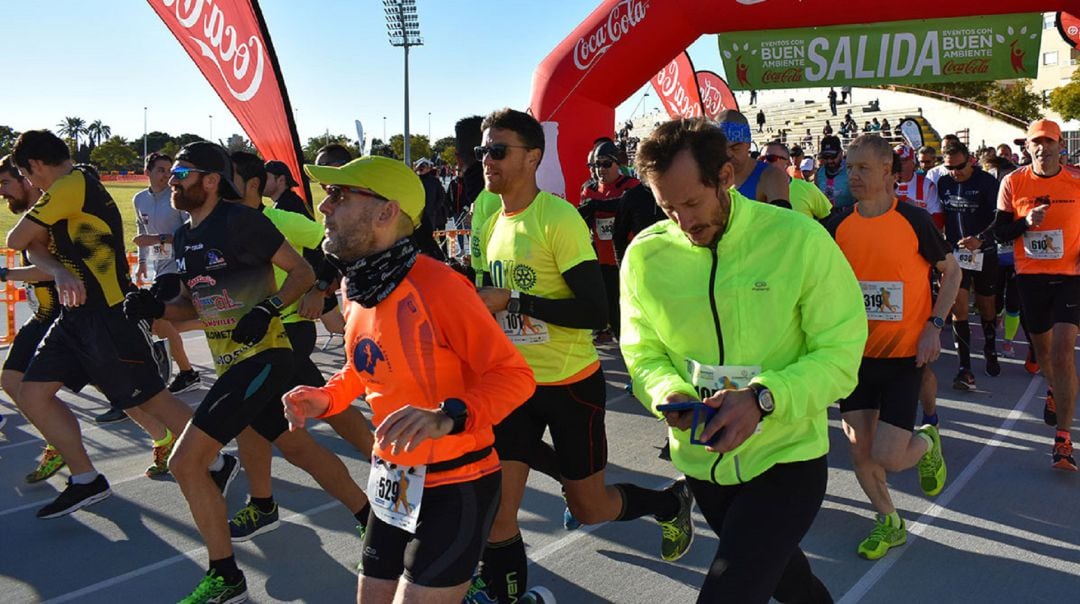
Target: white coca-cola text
x,y
675,95
240,63
623,17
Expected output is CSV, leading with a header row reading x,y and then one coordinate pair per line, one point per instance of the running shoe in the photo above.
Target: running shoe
x,y
964,380
932,471
51,462
160,467
884,537
76,496
185,381
678,533
568,521
538,595
250,522
993,367
1050,409
224,477
478,592
214,590
1030,364
111,416
1007,349
1063,454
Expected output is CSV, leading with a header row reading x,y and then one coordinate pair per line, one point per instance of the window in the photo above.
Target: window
x,y
1049,20
1050,58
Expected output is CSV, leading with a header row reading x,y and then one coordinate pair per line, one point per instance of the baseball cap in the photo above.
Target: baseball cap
x,y
606,149
389,178
423,161
1046,128
830,146
214,159
278,168
904,152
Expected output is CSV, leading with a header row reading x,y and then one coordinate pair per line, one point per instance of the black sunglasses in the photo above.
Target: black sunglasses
x,y
497,151
603,164
336,193
955,168
771,158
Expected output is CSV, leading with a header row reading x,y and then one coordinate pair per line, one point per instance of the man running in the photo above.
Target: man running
x,y
542,264
437,376
1037,206
225,255
755,180
891,246
969,196
714,312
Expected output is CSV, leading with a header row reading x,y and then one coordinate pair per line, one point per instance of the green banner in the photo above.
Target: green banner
x,y
997,47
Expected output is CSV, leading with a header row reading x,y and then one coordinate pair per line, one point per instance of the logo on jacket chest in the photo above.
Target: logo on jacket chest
x,y
366,356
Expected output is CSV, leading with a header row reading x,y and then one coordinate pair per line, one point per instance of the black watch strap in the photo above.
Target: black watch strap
x,y
456,410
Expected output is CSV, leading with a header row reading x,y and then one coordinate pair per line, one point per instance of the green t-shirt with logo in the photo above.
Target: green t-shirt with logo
x,y
301,232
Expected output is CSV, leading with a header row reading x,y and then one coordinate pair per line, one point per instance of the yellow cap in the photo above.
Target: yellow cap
x,y
387,177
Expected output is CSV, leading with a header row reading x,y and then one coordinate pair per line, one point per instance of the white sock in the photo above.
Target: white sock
x,y
926,437
85,477
218,463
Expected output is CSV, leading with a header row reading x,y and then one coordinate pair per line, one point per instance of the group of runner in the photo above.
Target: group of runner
x,y
464,378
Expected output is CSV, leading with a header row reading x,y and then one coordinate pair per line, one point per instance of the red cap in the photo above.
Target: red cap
x,y
1044,128
905,152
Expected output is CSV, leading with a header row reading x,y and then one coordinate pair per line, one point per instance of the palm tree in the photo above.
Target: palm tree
x,y
72,127
98,132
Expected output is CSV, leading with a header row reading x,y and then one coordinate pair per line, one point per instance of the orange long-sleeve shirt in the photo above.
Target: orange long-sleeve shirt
x,y
432,339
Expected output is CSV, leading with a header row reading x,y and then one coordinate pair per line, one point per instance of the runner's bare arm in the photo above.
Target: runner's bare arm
x,y
26,231
930,341
71,289
299,274
181,308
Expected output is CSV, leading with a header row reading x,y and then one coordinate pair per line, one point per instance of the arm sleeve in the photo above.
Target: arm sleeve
x,y
586,310
1006,227
467,328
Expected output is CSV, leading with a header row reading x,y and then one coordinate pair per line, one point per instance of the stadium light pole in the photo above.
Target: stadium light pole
x,y
144,135
403,29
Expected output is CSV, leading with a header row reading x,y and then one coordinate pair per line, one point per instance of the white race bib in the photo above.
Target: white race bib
x,y
161,251
710,379
1044,245
605,229
969,260
32,299
522,329
884,300
396,492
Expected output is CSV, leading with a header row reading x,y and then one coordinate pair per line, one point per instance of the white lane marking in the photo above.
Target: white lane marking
x,y
867,582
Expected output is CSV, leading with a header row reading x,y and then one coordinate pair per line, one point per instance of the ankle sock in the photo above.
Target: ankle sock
x,y
638,502
226,569
263,504
218,463
85,477
362,515
164,441
930,419
1064,435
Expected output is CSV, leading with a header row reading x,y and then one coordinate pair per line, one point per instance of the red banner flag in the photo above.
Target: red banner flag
x,y
230,44
677,88
1069,27
716,95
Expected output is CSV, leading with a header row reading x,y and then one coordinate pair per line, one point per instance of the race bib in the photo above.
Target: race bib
x,y
1044,245
605,229
396,492
522,329
710,379
884,300
161,251
32,299
969,260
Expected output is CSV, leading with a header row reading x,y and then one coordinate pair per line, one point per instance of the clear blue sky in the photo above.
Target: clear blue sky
x,y
107,59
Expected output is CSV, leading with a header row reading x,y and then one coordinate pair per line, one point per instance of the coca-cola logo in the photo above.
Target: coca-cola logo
x,y
966,67
712,98
675,95
240,63
623,17
774,76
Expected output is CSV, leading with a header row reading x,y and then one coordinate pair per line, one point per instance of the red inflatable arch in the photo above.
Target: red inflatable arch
x,y
623,43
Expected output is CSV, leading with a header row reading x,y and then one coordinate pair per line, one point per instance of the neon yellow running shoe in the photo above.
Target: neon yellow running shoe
x,y
160,467
932,471
884,537
51,462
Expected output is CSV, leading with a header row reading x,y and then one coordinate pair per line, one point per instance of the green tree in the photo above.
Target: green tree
x,y
154,142
8,136
237,142
441,145
1017,99
186,138
73,128
114,154
449,155
419,146
170,148
1063,99
378,147
311,149
97,132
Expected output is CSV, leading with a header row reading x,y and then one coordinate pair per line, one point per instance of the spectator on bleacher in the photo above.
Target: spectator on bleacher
x,y
886,127
832,100
755,180
875,125
760,119
827,130
831,177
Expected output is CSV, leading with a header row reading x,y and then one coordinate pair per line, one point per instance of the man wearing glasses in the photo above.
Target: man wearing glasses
x,y
755,180
805,197
969,196
548,295
831,177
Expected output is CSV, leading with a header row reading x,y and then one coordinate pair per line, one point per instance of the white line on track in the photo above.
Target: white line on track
x,y
881,567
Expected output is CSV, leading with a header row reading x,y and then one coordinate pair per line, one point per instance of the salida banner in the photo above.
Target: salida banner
x,y
229,42
940,50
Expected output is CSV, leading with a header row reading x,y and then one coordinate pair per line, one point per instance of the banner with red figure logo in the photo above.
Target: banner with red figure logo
x,y
1069,27
229,42
716,95
677,88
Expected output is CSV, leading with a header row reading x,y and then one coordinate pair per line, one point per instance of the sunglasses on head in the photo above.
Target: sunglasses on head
x,y
182,173
496,151
769,157
336,193
603,164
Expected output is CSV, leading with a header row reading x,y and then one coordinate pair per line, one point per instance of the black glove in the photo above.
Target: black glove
x,y
252,327
166,287
142,304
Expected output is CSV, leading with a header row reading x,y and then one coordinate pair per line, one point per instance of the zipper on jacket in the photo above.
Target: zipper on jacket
x,y
719,342
738,474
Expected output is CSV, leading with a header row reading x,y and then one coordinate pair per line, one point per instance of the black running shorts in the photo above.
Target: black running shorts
x,y
891,386
248,394
26,343
985,281
575,415
1049,299
455,520
100,347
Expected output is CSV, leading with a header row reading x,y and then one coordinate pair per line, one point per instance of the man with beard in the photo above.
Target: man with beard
x,y
91,341
225,255
831,177
437,376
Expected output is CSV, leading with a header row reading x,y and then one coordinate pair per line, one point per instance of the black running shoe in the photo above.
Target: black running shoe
x,y
111,416
185,381
76,496
224,477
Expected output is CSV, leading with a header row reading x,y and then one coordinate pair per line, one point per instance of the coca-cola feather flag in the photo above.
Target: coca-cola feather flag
x,y
677,88
230,44
716,95
1069,28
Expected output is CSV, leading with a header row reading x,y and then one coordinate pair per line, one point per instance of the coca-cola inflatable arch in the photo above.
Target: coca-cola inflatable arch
x,y
624,43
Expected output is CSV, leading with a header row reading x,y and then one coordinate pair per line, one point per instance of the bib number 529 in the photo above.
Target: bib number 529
x,y
389,489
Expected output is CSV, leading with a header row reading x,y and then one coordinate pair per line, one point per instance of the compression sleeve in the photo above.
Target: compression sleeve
x,y
586,310
1006,227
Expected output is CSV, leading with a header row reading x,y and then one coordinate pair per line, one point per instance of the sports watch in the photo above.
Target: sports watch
x,y
514,305
937,322
322,285
456,410
765,401
275,302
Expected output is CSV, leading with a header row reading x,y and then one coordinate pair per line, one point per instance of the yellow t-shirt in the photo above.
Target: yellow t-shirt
x,y
485,206
808,199
528,252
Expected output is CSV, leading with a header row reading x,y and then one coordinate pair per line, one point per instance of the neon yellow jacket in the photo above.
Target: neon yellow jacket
x,y
780,294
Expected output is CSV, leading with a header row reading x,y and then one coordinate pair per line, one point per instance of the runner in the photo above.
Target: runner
x,y
91,341
762,181
832,176
914,187
805,197
438,376
225,255
762,479
891,246
1037,207
969,195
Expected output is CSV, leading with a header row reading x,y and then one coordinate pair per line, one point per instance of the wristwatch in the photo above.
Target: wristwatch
x,y
764,399
937,322
162,237
514,305
276,302
456,410
322,285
